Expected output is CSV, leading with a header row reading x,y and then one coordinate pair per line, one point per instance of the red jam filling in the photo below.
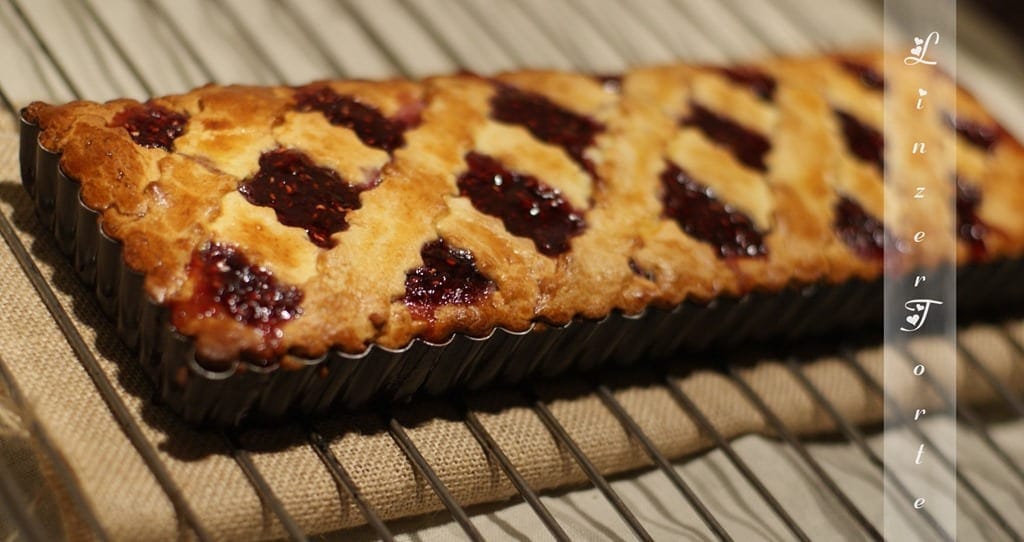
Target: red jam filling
x,y
303,194
448,276
701,215
863,233
983,136
748,146
969,226
527,206
547,122
865,142
226,284
869,77
152,125
760,83
372,127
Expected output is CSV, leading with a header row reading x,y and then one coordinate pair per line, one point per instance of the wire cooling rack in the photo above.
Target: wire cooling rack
x,y
295,41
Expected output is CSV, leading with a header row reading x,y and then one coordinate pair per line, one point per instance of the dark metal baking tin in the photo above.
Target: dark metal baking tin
x,y
337,380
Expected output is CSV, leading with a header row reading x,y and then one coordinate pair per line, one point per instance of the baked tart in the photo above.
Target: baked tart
x,y
279,249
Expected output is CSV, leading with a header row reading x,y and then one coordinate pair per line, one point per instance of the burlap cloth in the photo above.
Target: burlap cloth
x,y
59,401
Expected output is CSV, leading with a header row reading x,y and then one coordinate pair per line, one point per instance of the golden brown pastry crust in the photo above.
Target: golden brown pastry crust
x,y
165,205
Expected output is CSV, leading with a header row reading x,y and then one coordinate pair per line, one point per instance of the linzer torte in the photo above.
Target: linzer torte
x,y
279,249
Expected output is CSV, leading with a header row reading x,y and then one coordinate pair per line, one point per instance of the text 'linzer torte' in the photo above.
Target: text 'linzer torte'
x,y
315,230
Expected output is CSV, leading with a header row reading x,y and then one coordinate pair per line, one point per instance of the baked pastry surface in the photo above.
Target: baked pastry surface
x,y
343,214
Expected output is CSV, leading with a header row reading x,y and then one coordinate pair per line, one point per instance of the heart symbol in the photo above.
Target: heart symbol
x,y
916,51
922,92
918,41
919,307
913,318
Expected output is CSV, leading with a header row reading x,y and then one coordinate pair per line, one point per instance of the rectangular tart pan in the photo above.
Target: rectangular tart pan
x,y
343,381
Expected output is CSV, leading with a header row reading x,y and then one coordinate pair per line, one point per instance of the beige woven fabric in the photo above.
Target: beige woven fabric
x,y
131,505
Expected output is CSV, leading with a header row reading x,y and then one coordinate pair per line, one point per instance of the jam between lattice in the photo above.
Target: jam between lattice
x,y
372,127
865,142
983,136
152,125
303,194
748,146
969,226
863,233
526,205
758,82
448,276
868,76
547,122
700,214
226,285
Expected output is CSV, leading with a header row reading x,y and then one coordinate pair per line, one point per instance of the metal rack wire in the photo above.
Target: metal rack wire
x,y
619,43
